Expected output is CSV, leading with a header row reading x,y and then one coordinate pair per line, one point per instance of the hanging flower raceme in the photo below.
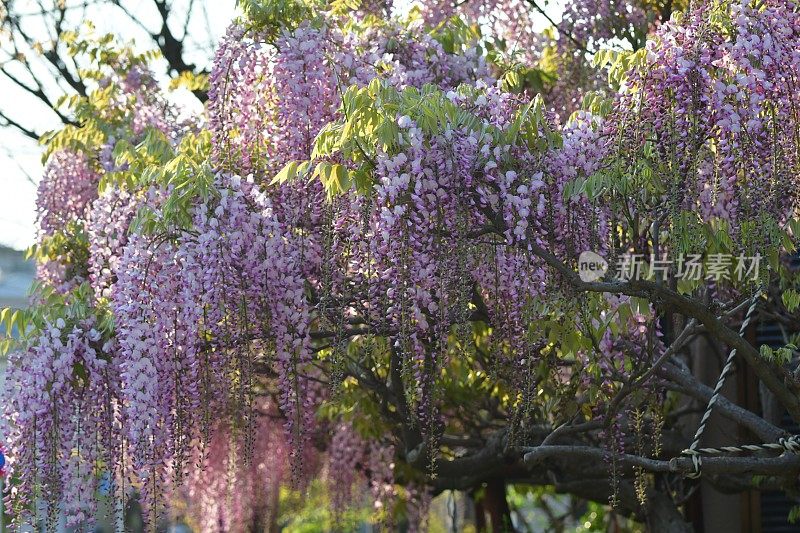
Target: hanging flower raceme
x,y
577,223
592,21
63,393
228,492
238,98
65,192
755,85
195,315
157,328
368,216
346,455
109,219
713,99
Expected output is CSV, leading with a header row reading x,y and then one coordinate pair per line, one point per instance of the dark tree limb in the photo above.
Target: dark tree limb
x,y
776,379
6,121
59,69
687,384
787,464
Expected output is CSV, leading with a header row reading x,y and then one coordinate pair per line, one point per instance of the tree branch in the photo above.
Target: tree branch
x,y
687,384
660,294
557,26
784,465
5,120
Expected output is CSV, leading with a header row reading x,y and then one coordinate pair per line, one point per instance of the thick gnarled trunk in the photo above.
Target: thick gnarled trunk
x,y
492,512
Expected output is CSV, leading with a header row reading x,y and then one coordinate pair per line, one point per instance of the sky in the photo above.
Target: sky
x,y
20,157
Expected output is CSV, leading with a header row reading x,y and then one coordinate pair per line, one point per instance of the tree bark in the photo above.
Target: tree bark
x,y
495,507
663,516
480,516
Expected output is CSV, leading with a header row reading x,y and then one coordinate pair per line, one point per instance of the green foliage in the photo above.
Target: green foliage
x,y
778,356
455,35
310,511
791,299
351,399
270,17
597,104
106,109
516,72
343,159
794,514
344,7
619,64
184,171
70,246
290,171
48,307
370,126
190,80
545,510
521,79
105,112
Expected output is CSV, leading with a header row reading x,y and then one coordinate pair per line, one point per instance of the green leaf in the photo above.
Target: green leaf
x,y
340,181
528,116
766,352
791,299
190,81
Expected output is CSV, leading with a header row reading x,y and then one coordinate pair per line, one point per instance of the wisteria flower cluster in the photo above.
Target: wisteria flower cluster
x,y
368,246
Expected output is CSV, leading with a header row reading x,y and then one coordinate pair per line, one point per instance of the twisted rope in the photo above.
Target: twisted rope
x,y
694,452
788,444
